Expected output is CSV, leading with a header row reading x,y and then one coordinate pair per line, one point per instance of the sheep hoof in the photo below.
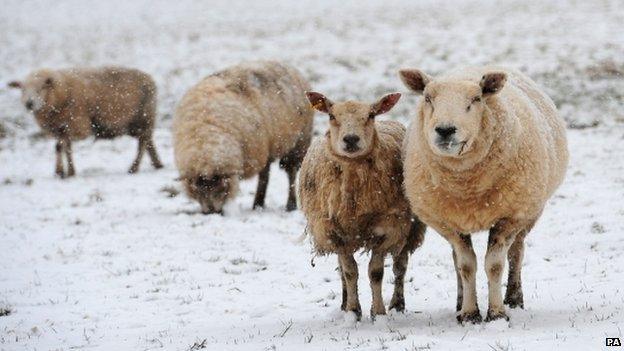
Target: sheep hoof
x,y
258,206
514,300
358,313
291,206
351,318
397,304
473,317
133,170
374,313
355,312
60,174
343,306
514,304
157,165
492,316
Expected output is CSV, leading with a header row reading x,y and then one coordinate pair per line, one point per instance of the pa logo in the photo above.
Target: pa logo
x,y
613,342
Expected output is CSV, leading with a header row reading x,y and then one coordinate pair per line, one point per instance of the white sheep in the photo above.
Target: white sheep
x,y
485,151
234,124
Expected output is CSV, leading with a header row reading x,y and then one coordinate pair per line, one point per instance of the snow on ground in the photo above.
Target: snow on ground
x,y
110,261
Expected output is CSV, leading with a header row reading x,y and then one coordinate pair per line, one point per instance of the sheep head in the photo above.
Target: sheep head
x,y
212,192
452,110
42,89
352,123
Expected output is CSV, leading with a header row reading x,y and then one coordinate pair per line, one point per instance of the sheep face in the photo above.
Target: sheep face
x,y
452,117
40,89
452,111
211,192
352,123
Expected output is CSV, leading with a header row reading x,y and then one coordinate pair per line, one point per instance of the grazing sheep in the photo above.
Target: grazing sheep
x,y
351,194
107,102
486,150
234,124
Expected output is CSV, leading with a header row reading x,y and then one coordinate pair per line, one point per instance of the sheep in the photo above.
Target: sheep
x,y
233,124
351,193
485,151
73,104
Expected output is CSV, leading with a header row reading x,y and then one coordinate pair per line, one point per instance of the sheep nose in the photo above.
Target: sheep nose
x,y
445,131
29,104
351,139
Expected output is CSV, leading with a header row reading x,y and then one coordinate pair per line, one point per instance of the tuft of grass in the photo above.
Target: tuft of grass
x,y
3,131
581,125
598,228
37,136
499,346
5,311
286,329
170,191
95,197
198,345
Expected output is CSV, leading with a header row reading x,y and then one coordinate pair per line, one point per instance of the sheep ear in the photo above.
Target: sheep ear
x,y
416,80
48,82
492,83
385,104
15,84
319,101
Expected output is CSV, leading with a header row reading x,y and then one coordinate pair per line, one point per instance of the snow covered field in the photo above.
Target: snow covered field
x,y
110,261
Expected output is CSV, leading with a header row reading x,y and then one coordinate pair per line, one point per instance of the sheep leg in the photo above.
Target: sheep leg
x,y
414,240
291,164
399,267
375,275
460,288
137,161
70,162
501,237
343,306
350,271
513,296
263,182
59,159
151,150
291,203
467,266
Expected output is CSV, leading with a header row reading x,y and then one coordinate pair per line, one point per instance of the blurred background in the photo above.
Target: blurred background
x,y
575,49
111,261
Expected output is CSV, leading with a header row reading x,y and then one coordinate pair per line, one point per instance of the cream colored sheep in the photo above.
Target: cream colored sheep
x,y
351,193
485,151
234,124
106,102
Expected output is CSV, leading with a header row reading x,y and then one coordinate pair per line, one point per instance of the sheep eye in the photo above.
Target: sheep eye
x,y
476,99
332,117
468,108
428,99
371,115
